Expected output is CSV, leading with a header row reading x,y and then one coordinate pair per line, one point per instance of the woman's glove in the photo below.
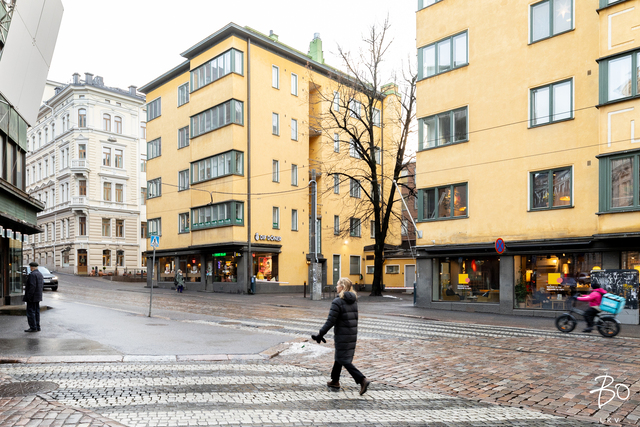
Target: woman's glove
x,y
318,339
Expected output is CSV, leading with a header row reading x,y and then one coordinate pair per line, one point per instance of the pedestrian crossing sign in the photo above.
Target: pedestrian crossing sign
x,y
155,241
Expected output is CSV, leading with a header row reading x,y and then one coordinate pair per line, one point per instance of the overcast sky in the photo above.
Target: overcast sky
x,y
131,42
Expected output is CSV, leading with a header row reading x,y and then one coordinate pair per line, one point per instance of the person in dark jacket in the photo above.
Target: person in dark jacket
x,y
33,296
343,317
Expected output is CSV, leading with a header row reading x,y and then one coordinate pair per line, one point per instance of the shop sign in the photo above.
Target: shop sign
x,y
271,238
220,254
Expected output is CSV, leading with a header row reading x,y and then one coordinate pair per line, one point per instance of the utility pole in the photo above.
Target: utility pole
x,y
315,272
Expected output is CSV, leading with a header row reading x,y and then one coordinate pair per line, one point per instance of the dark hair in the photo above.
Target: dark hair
x,y
595,285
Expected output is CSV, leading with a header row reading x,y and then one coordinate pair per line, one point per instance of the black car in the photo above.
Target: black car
x,y
50,280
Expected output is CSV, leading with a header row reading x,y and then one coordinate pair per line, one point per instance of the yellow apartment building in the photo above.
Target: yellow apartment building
x,y
234,137
526,134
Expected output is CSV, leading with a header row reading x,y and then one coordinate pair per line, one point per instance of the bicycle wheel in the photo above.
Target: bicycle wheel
x,y
566,323
609,328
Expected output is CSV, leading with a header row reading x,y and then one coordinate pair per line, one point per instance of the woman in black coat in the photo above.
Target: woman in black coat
x,y
343,317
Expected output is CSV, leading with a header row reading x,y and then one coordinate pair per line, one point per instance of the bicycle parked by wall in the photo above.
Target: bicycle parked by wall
x,y
606,322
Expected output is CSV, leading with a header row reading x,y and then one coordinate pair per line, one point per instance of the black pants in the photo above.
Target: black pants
x,y
355,373
33,315
589,314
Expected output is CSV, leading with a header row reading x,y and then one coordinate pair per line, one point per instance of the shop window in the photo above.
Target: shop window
x,y
106,258
223,268
120,258
265,266
468,280
167,269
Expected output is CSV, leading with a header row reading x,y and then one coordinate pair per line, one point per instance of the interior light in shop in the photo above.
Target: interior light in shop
x,y
473,265
555,261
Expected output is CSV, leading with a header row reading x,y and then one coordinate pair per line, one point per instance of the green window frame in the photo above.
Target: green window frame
x,y
154,188
434,204
551,189
622,85
444,55
218,166
154,227
183,223
445,128
223,214
619,182
183,94
230,112
222,65
154,109
154,148
426,3
548,104
555,13
606,3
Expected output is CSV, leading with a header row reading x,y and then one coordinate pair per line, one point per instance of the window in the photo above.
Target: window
x,y
183,137
106,156
143,195
354,227
354,188
616,77
336,184
214,118
437,202
154,188
106,258
275,77
46,135
217,166
619,178
425,3
294,219
355,108
183,94
118,159
354,264
183,180
336,143
82,151
404,227
154,227
372,229
443,56
217,215
143,165
336,225
183,222
294,84
294,175
119,228
376,117
154,148
275,124
550,17
143,131
119,193
448,127
143,230
552,103
550,189
336,101
82,118
82,226
106,227
370,269
276,171
120,258
392,269
53,131
220,66
294,129
117,123
46,167
106,122
376,154
153,109
106,191
276,217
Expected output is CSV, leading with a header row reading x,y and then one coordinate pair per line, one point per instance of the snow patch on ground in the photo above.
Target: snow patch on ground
x,y
307,349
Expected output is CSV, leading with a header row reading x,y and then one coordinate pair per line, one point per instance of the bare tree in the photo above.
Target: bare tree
x,y
375,122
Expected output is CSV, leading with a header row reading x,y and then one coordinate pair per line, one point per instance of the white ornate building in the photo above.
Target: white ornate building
x,y
86,162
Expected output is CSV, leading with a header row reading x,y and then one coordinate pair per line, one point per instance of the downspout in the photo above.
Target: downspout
x,y
248,213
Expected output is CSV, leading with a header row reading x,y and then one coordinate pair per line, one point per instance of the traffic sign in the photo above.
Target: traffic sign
x,y
500,247
155,241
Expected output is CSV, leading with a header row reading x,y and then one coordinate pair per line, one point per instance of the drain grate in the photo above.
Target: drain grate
x,y
26,388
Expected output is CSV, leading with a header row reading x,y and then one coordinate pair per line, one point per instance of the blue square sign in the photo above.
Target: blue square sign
x,y
155,241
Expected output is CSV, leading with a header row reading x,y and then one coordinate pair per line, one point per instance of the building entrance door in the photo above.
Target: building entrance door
x,y
409,276
82,261
336,269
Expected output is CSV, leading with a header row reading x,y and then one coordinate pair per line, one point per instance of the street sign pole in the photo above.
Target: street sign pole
x,y
153,269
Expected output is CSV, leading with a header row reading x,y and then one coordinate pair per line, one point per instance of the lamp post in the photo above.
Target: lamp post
x,y
315,270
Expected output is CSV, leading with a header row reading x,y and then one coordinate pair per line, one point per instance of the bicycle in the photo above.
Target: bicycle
x,y
608,325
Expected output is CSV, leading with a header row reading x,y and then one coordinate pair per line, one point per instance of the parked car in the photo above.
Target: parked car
x,y
50,280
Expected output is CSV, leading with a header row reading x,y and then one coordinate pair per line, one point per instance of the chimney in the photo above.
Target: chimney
x,y
133,91
315,49
97,80
57,90
88,78
76,78
273,36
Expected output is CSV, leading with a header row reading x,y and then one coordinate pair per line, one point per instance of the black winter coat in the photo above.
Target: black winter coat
x,y
343,317
33,288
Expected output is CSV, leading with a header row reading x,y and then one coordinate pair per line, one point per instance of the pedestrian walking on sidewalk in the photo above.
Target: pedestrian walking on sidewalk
x,y
179,281
343,318
33,296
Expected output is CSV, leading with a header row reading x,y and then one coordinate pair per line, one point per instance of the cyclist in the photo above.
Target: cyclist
x,y
594,299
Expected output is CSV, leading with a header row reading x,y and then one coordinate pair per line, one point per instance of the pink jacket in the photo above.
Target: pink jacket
x,y
594,298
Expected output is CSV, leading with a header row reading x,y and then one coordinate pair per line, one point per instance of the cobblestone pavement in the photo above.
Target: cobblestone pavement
x,y
251,393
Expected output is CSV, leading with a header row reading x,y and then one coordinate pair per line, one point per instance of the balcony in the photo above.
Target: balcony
x,y
79,202
80,166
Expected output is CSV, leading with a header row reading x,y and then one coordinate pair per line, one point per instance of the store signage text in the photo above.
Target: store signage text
x,y
272,238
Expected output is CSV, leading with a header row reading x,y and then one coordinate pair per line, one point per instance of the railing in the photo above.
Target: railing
x,y
79,164
81,200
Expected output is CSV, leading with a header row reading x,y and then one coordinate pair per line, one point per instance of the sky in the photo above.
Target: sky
x,y
131,42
